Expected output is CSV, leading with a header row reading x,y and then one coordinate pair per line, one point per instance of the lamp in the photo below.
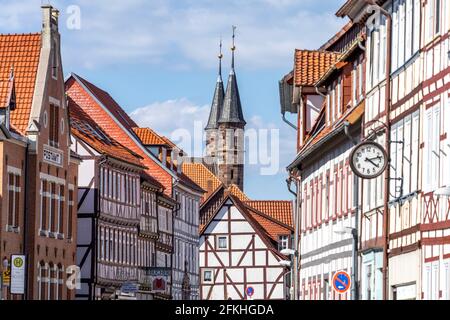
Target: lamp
x,y
285,263
345,230
288,252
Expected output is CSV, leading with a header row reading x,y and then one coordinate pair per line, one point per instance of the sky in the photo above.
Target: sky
x,y
158,59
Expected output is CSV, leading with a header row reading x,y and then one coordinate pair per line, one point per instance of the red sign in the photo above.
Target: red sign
x,y
341,282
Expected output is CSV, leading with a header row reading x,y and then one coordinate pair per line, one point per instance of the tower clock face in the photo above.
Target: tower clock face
x,y
368,160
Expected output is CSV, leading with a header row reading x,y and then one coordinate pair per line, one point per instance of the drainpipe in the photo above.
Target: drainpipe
x,y
355,231
387,147
25,229
297,222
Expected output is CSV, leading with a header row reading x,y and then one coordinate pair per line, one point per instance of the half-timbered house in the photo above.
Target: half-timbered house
x,y
435,151
238,251
162,164
392,213
326,91
39,172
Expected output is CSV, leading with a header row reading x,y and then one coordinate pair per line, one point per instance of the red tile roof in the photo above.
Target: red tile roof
x,y
237,192
203,177
84,127
272,228
149,137
22,52
311,65
110,104
81,94
279,210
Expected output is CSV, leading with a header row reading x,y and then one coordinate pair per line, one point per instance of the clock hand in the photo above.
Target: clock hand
x,y
376,158
370,160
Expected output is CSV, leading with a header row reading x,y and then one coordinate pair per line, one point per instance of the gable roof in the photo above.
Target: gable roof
x,y
252,218
310,65
21,52
237,192
110,104
281,211
84,127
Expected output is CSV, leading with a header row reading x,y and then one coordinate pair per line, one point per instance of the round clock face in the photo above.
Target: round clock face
x,y
368,160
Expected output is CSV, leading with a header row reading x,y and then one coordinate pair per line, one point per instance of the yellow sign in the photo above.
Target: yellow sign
x,y
18,262
6,277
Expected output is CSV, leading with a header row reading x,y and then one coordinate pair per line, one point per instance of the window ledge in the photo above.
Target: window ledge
x,y
12,229
43,233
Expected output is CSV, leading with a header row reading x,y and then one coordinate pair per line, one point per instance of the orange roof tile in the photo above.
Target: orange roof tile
x,y
278,210
237,192
311,65
202,176
22,52
149,137
84,127
273,229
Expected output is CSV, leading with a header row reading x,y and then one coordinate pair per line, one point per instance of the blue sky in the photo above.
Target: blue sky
x,y
160,57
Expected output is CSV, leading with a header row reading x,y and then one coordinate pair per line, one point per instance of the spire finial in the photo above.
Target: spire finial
x,y
233,48
220,57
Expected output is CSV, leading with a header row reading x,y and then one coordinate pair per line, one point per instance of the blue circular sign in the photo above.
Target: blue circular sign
x,y
341,282
250,291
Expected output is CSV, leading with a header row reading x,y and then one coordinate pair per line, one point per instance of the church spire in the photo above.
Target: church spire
x,y
232,108
219,94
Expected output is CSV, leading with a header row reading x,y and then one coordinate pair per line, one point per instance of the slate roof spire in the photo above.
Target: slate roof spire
x,y
232,108
219,94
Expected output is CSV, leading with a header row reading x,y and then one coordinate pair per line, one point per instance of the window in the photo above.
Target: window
x,y
222,242
61,210
432,150
433,18
207,276
283,243
13,200
60,282
44,196
70,215
54,126
54,55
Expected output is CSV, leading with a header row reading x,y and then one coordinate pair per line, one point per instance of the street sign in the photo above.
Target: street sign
x,y
18,274
250,291
341,282
129,287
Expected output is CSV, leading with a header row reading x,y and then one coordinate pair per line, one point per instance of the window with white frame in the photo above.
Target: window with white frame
x,y
283,242
207,275
432,148
433,18
404,156
222,242
13,201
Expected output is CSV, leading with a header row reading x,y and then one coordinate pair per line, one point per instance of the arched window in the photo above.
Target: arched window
x,y
60,282
52,282
41,280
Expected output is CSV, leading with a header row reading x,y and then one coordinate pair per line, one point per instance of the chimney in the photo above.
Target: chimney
x,y
180,161
50,18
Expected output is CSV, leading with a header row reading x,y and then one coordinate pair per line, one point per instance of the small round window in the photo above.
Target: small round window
x,y
45,119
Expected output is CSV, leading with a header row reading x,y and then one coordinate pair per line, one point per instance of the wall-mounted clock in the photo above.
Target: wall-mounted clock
x,y
368,160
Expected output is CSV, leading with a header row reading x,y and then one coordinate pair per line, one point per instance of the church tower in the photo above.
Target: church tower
x,y
227,151
213,126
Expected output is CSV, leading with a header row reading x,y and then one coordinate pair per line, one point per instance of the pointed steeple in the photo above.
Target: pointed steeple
x,y
219,94
232,108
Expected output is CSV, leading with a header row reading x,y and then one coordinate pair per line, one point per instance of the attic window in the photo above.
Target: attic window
x,y
54,60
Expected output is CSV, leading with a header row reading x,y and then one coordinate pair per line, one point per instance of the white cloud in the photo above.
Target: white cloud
x,y
168,31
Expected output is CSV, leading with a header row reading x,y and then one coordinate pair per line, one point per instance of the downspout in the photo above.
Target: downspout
x,y
387,146
25,221
297,221
355,231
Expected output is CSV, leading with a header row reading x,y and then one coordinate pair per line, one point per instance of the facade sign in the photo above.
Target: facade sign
x,y
52,156
158,278
18,274
129,287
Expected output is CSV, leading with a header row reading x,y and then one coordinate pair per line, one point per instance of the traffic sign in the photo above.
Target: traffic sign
x,y
18,274
341,282
250,291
